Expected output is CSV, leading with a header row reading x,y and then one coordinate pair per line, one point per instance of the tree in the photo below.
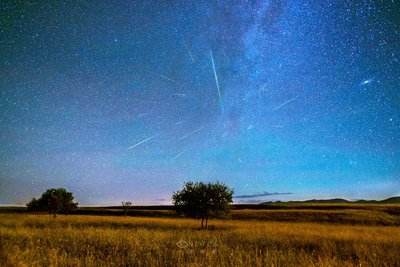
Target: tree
x,y
126,205
203,201
54,201
35,205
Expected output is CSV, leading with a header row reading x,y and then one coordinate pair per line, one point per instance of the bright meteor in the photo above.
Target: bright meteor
x,y
216,82
144,141
370,80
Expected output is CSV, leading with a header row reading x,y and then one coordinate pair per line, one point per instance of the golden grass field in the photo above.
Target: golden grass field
x,y
88,240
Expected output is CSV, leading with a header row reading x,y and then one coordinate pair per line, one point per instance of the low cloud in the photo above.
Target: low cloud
x,y
262,195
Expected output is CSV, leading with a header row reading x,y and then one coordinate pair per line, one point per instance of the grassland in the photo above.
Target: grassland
x,y
309,236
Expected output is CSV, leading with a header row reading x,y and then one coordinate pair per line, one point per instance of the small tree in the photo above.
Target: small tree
x,y
126,205
203,201
53,201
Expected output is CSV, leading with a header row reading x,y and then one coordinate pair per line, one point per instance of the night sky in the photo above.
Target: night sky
x,y
127,100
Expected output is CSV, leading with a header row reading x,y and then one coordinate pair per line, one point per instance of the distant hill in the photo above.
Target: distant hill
x,y
391,200
334,200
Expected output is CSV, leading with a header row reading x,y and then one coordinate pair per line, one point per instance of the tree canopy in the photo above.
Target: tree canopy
x,y
126,205
54,200
203,200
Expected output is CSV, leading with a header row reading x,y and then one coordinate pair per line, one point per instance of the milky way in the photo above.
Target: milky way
x,y
118,100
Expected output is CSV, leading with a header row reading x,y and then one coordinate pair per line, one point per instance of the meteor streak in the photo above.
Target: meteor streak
x,y
192,132
168,79
216,82
178,94
263,88
164,77
287,102
370,80
141,142
177,156
190,54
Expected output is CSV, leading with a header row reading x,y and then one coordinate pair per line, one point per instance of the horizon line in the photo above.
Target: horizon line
x,y
234,203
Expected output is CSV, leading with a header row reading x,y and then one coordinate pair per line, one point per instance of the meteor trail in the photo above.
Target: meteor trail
x,y
164,77
178,94
287,102
141,142
168,79
177,156
262,88
193,132
216,82
190,54
370,80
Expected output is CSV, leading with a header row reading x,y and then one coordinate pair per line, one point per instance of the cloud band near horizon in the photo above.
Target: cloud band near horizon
x,y
262,195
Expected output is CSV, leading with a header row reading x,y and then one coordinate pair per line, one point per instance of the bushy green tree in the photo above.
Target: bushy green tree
x,y
54,200
203,200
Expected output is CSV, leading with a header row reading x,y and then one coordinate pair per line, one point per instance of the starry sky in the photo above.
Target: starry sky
x,y
127,100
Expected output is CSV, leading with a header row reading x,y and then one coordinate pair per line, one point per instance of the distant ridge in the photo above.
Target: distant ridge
x,y
391,200
334,200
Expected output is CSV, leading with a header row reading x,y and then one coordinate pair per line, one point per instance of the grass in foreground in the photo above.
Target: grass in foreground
x,y
118,241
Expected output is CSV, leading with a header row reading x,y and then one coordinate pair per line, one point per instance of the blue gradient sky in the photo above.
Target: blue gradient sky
x,y
309,99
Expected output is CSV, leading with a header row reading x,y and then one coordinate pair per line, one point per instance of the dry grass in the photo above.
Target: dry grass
x,y
385,215
27,240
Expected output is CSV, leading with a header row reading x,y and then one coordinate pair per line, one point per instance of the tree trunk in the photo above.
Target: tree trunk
x,y
206,222
202,223
54,214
